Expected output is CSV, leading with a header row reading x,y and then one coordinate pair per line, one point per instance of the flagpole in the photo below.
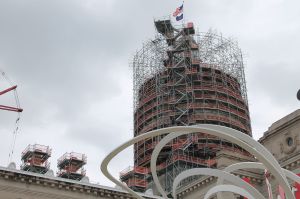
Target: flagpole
x,y
183,21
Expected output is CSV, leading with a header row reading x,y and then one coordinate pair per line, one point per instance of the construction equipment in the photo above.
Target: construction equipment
x,y
35,158
70,166
11,89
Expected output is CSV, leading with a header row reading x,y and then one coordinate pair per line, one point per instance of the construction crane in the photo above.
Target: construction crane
x,y
16,108
9,108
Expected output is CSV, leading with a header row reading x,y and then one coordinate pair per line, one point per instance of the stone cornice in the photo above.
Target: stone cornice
x,y
291,163
281,124
64,184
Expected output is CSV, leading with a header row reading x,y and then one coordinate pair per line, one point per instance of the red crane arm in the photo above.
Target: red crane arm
x,y
9,108
7,90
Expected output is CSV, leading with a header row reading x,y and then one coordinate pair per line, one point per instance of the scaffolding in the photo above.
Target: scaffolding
x,y
70,166
135,178
184,78
35,158
214,51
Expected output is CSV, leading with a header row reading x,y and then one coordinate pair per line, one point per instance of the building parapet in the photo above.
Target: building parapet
x,y
13,175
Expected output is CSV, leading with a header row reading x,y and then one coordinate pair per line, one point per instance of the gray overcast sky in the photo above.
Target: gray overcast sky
x,y
70,60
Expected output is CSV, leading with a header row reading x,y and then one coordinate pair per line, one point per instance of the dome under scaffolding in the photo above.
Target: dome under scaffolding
x,y
185,78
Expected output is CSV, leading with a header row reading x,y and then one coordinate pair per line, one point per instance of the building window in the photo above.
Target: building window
x,y
290,141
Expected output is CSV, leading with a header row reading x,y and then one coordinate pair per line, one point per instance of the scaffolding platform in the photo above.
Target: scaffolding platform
x,y
35,167
34,158
70,166
133,171
135,177
189,29
69,174
164,26
137,183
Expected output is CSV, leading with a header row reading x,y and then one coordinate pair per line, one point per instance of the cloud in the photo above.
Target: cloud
x,y
70,60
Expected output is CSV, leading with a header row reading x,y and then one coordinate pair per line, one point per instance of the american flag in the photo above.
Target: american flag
x,y
178,11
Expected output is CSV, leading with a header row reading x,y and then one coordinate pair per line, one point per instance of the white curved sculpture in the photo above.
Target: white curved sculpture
x,y
255,149
228,188
256,165
234,136
253,165
240,139
217,173
157,150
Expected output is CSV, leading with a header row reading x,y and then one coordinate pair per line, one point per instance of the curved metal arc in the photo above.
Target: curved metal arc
x,y
209,129
228,188
254,165
116,151
216,173
249,140
239,139
156,152
154,156
257,165
237,166
272,164
106,173
292,176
